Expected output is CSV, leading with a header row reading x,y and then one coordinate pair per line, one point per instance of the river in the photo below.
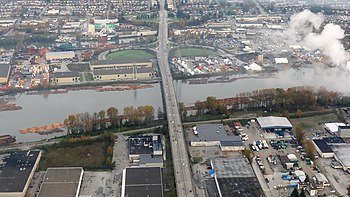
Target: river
x,y
39,110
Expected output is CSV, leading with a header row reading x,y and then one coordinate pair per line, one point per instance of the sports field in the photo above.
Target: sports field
x,y
130,55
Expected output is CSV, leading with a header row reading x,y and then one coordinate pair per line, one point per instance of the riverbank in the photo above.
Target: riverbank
x,y
75,86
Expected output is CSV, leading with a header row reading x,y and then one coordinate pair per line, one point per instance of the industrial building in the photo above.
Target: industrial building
x,y
119,64
324,146
275,124
233,177
341,154
16,172
5,70
62,182
343,131
61,78
215,135
146,151
133,73
332,127
142,182
62,55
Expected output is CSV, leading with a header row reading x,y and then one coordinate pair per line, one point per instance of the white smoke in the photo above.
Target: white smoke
x,y
302,28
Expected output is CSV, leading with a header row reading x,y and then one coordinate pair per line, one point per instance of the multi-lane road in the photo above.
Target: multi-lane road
x,y
182,171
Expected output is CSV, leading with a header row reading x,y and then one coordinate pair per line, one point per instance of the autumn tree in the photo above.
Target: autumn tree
x,y
112,114
102,119
71,124
299,113
299,133
182,111
310,149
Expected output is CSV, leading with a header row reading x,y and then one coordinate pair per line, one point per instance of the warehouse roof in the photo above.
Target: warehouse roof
x,y
64,74
231,143
271,122
213,132
342,152
60,53
17,169
122,71
333,126
4,70
142,182
61,182
322,145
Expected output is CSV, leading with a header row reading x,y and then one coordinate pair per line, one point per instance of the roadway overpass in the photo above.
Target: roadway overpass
x,y
182,169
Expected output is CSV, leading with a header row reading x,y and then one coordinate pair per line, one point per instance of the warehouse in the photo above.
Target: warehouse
x,y
123,74
343,131
233,177
323,146
275,124
61,78
17,172
118,64
341,154
142,182
332,127
146,150
215,135
62,182
5,70
62,55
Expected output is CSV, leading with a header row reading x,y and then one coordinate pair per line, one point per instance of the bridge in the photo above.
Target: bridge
x,y
182,169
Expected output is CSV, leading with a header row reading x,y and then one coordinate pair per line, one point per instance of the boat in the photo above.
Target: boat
x,y
47,92
47,129
9,107
7,139
198,81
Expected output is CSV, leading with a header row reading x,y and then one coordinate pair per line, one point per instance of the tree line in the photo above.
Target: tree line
x,y
295,99
110,118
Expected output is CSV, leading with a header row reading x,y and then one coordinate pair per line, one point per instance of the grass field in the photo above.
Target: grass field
x,y
193,52
314,122
130,54
78,67
89,156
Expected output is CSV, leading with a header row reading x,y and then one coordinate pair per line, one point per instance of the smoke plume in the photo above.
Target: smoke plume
x,y
306,28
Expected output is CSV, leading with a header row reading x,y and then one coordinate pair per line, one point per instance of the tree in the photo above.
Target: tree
x,y
299,113
302,193
285,113
248,154
182,110
102,119
112,114
299,133
160,113
110,150
310,149
71,123
295,193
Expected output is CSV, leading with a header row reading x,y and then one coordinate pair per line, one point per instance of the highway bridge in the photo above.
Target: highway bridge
x,y
182,169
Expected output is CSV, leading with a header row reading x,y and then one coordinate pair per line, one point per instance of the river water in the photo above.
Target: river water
x,y
39,110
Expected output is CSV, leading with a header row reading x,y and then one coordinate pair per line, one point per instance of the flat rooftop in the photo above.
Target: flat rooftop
x,y
239,187
143,182
213,132
4,70
274,122
17,169
140,145
61,182
233,167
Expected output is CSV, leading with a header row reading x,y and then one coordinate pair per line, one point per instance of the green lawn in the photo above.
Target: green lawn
x,y
193,52
316,121
130,55
78,67
89,156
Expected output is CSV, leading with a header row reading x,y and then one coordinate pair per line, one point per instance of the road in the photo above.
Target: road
x,y
182,169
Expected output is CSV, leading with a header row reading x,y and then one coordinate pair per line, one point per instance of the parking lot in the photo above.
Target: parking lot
x,y
107,184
